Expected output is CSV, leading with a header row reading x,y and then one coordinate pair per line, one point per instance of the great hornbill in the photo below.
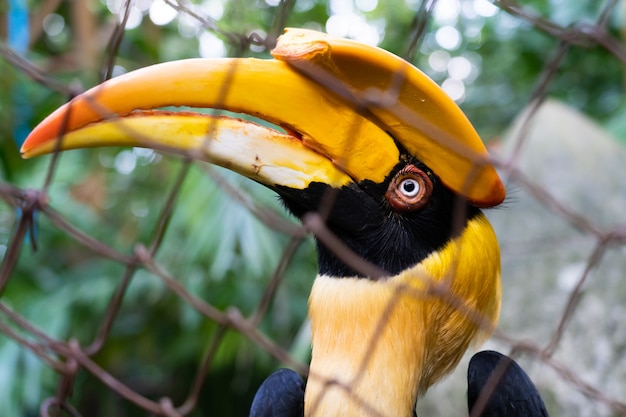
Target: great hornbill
x,y
392,165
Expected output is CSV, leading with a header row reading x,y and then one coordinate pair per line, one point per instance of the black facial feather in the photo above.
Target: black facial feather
x,y
362,218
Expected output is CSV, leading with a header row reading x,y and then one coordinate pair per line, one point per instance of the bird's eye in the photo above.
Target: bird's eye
x,y
410,189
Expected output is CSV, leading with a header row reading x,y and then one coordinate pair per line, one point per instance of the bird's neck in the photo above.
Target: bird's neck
x,y
378,344
363,357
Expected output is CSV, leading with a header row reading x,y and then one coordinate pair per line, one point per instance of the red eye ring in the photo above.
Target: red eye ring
x,y
410,189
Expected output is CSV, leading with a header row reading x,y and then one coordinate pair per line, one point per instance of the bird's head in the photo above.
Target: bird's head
x,y
341,116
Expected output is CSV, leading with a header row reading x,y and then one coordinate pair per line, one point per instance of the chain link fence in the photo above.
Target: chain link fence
x,y
568,329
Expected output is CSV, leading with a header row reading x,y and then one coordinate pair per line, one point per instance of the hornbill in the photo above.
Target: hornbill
x,y
391,164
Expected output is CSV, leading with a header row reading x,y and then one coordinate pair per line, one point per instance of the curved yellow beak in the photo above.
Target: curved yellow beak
x,y
341,111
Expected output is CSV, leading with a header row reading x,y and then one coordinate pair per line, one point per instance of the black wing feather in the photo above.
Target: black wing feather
x,y
280,395
514,394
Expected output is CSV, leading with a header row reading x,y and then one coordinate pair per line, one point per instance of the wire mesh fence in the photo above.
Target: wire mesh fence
x,y
567,329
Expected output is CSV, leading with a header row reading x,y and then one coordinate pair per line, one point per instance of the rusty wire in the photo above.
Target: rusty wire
x,y
69,358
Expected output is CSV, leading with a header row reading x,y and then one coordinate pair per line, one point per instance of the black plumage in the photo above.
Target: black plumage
x,y
280,395
510,391
362,218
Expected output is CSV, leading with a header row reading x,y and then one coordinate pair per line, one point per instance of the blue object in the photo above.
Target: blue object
x,y
18,25
18,39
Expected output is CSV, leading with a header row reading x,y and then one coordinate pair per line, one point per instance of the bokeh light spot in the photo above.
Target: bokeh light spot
x,y
53,24
438,60
485,8
459,68
454,88
162,13
448,37
211,46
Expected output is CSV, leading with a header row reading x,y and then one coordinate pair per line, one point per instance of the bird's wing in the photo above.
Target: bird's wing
x,y
498,387
280,395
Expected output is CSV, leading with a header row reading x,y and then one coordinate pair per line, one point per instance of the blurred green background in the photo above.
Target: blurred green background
x,y
487,60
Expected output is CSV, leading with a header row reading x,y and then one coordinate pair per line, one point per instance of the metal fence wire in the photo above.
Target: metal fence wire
x,y
562,234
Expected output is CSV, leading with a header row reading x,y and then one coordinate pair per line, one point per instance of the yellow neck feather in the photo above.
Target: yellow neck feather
x,y
378,344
